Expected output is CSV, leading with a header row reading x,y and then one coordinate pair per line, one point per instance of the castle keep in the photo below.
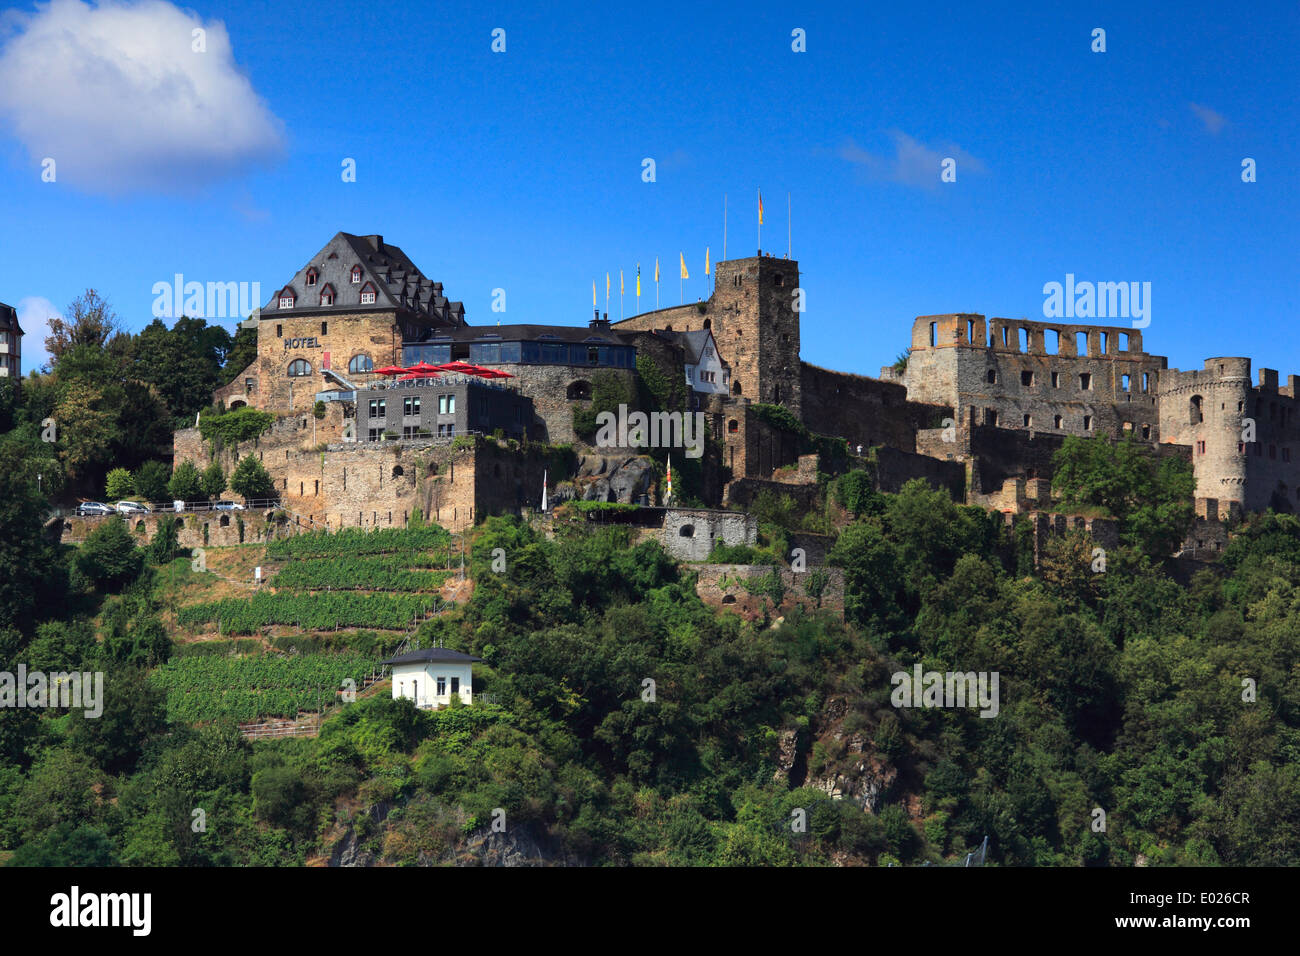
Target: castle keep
x,y
980,407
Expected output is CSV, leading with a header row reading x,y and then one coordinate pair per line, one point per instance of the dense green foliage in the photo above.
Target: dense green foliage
x,y
230,428
251,480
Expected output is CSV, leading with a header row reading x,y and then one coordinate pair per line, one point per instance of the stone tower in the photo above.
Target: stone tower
x,y
753,319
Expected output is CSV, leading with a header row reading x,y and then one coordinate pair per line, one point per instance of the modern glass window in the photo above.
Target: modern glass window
x,y
442,686
299,368
361,363
378,408
411,405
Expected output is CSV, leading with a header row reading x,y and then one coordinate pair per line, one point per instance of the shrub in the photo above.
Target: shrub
x,y
318,410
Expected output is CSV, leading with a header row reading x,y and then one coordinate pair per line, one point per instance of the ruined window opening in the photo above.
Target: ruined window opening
x,y
1146,381
579,391
1052,345
1022,336
398,471
1029,421
1056,380
686,531
1087,422
1124,382
1123,341
991,417
1027,378
970,331
1056,421
1105,342
1195,416
733,425
1146,431
1085,381
1081,344
778,279
991,376
728,599
934,326
735,388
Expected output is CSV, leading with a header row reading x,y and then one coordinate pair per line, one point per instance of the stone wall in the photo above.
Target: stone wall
x,y
1103,531
742,492
205,529
689,534
864,411
722,586
896,468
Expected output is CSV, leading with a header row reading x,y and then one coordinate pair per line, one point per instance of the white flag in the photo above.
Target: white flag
x,y
543,489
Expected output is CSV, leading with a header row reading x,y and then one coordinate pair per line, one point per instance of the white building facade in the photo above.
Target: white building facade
x,y
432,677
11,337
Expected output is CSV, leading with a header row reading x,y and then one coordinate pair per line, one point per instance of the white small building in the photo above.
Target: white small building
x,y
433,676
705,370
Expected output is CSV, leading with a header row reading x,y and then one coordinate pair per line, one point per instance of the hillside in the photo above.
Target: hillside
x,y
618,720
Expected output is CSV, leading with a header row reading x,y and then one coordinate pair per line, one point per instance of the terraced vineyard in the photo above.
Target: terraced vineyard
x,y
250,688
355,541
311,612
381,573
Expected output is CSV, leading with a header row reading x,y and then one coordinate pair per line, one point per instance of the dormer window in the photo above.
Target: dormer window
x,y
367,294
327,295
286,300
311,277
356,274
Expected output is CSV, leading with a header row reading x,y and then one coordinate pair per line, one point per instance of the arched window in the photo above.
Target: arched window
x,y
708,323
327,294
1194,414
579,391
733,425
735,388
299,367
361,363
311,277
398,471
686,531
356,274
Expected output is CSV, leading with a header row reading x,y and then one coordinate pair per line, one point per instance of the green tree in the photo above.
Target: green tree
x,y
213,482
251,480
109,556
186,484
150,481
1150,494
119,484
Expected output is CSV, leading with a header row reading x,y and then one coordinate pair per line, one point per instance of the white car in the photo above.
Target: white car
x,y
132,508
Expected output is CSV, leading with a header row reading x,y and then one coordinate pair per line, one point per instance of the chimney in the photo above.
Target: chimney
x,y
597,322
375,242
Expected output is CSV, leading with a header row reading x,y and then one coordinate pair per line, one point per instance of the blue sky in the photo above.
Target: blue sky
x,y
522,170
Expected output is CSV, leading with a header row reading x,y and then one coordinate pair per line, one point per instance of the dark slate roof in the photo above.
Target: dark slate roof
x,y
526,333
693,343
438,655
398,285
9,319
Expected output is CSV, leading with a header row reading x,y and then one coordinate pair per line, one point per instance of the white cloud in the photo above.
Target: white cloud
x,y
913,163
34,314
118,97
1214,122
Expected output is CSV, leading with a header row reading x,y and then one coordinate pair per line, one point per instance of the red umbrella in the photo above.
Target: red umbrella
x,y
407,378
424,367
496,373
389,370
456,367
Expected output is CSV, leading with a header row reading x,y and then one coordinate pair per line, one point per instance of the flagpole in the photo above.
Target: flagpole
x,y
789,235
724,227
760,222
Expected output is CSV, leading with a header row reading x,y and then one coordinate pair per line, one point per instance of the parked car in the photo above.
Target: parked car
x,y
228,506
132,508
94,508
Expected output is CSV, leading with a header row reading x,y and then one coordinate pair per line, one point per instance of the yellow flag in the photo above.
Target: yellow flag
x,y
620,281
607,285
706,260
656,268
593,293
638,280
685,274
760,207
